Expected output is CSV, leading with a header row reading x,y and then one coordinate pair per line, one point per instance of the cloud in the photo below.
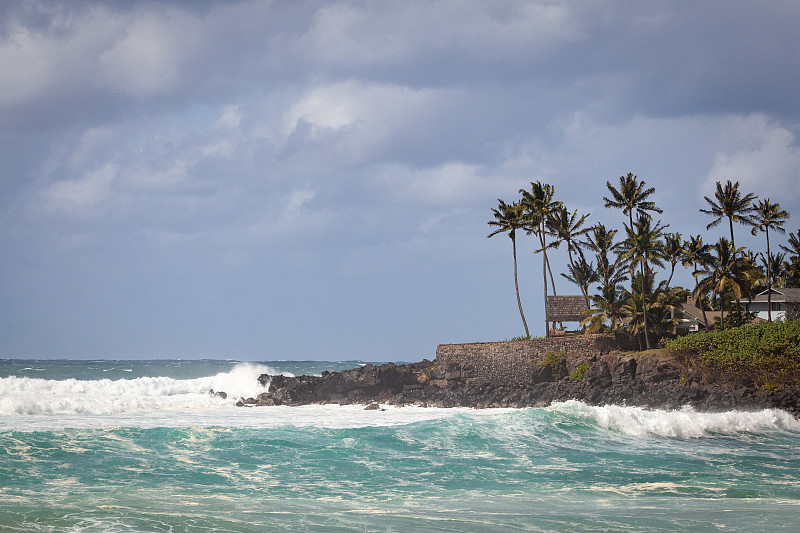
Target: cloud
x,y
231,117
146,59
280,143
83,197
298,198
348,35
761,154
449,184
371,109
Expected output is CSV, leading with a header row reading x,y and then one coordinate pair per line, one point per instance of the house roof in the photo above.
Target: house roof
x,y
564,308
782,294
697,313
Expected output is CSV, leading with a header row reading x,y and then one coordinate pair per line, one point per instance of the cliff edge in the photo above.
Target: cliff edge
x,y
655,379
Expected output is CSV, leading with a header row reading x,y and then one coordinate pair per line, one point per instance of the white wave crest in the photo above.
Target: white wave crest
x,y
32,396
685,423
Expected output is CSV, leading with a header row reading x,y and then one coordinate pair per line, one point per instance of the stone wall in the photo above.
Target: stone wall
x,y
517,362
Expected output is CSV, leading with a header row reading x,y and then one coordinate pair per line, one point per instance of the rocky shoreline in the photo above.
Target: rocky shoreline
x,y
646,379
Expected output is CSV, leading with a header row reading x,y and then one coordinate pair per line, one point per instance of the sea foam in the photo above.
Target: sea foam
x,y
32,396
684,423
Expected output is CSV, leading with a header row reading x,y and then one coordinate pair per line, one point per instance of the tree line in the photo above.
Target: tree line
x,y
604,259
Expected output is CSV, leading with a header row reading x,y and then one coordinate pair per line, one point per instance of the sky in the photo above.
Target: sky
x,y
313,180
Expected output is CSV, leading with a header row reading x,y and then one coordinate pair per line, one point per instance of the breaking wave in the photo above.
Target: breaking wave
x,y
32,396
685,423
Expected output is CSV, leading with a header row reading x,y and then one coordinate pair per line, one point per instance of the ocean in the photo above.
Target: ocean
x,y
142,446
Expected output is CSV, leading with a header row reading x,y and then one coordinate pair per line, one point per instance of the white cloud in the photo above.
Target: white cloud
x,y
147,59
142,178
82,197
361,117
760,154
137,53
298,198
447,184
230,117
30,60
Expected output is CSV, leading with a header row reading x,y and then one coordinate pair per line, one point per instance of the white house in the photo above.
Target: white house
x,y
783,301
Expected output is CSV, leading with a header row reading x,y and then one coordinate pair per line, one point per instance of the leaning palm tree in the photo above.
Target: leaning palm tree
x,y
643,247
509,218
696,254
631,196
566,227
729,203
538,204
766,216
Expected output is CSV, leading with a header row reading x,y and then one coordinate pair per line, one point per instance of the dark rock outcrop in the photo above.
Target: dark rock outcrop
x,y
649,379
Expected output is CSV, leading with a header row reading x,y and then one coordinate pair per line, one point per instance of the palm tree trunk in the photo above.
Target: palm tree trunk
x,y
644,311
547,262
544,277
769,280
516,284
733,244
699,299
672,273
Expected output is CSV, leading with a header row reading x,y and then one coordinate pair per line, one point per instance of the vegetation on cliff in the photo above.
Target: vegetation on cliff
x,y
765,354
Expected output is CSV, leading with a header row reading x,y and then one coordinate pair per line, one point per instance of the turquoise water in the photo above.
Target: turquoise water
x,y
147,449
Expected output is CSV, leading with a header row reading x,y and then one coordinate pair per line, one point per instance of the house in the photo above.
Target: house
x,y
690,317
785,302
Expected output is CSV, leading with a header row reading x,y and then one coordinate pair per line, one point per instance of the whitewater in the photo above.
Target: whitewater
x,y
144,446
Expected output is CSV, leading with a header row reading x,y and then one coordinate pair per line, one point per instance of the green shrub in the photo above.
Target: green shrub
x,y
578,372
556,361
765,353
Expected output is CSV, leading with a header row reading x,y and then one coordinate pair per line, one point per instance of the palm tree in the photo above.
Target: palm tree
x,y
794,242
665,301
566,228
538,204
634,314
791,269
696,254
643,247
730,203
672,251
776,265
791,266
509,218
766,216
631,196
600,240
725,274
582,274
609,306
